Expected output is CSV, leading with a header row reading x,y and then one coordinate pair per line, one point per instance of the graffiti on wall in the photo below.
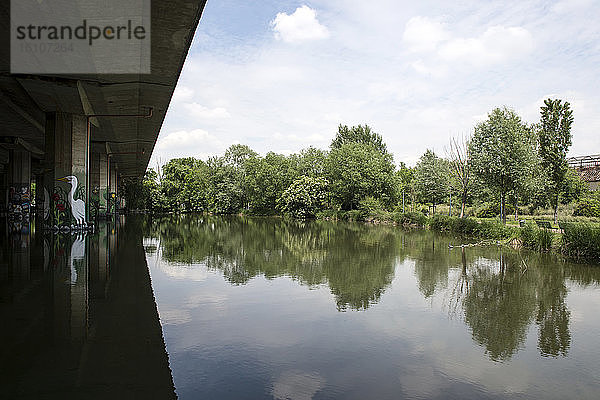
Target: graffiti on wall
x,y
59,208
94,202
103,200
19,201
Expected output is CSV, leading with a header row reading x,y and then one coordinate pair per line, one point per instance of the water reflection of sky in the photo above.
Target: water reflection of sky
x,y
277,338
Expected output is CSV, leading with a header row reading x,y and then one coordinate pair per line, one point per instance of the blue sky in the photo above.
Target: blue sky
x,y
282,75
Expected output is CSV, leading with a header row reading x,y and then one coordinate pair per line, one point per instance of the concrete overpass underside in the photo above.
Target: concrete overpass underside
x,y
44,134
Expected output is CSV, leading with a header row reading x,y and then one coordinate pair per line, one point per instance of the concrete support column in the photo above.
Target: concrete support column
x,y
19,187
39,195
112,205
103,188
119,194
94,200
67,168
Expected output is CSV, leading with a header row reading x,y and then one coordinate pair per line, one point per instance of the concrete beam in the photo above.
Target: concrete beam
x,y
15,142
22,112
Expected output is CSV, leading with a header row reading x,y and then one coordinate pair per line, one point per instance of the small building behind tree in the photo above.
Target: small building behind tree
x,y
588,168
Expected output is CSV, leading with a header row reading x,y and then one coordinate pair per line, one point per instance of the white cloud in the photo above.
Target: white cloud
x,y
496,44
314,138
564,6
297,385
194,143
174,316
184,272
416,72
424,34
182,94
302,25
200,111
440,49
424,69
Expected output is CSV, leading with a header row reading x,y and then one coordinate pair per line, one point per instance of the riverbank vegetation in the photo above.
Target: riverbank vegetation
x,y
505,168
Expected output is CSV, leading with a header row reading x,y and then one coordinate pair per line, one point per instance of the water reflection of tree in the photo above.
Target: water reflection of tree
x,y
499,306
553,314
497,294
432,261
356,261
360,264
501,294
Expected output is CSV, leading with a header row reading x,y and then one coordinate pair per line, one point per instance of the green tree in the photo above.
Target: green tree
x,y
574,188
184,184
309,162
305,196
431,178
404,181
225,194
499,152
357,170
555,140
237,154
266,180
531,179
195,190
151,192
359,134
236,157
227,188
532,187
135,192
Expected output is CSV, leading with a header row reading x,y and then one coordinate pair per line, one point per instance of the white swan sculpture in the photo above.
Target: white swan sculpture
x,y
77,206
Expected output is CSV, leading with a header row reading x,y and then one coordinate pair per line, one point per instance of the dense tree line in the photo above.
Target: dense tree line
x,y
505,164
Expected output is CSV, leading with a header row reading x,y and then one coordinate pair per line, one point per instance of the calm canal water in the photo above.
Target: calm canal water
x,y
256,308
263,308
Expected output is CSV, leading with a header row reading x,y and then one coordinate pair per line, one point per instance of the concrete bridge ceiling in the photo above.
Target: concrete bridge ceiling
x,y
24,99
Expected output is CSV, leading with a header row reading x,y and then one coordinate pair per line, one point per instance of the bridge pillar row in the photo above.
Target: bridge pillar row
x,y
120,197
94,200
112,189
66,170
39,194
103,188
98,181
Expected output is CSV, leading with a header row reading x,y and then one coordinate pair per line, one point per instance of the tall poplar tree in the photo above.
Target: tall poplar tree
x,y
554,142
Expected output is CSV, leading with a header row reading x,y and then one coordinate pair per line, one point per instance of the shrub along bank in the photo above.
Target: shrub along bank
x,y
578,241
581,241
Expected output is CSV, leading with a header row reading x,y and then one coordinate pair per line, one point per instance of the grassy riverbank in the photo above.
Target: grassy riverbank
x,y
579,240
